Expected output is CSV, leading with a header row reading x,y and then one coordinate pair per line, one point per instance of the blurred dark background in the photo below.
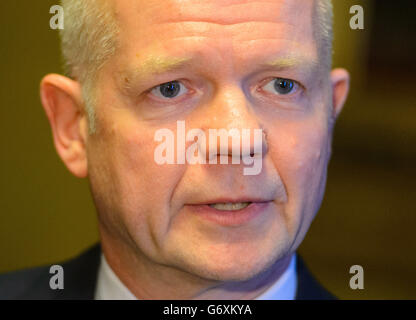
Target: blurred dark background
x,y
368,216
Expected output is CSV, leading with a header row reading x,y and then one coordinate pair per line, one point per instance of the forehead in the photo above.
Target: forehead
x,y
245,27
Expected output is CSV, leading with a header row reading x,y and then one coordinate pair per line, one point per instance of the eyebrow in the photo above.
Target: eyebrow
x,y
306,64
156,65
152,66
161,64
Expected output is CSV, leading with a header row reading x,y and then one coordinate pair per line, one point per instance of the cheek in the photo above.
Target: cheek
x,y
300,154
137,190
305,151
144,182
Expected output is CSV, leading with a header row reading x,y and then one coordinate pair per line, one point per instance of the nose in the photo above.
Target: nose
x,y
233,128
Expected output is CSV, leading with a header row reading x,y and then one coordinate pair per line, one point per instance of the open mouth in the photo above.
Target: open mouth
x,y
230,206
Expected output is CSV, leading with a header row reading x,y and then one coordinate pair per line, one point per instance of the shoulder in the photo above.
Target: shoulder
x,y
79,279
308,287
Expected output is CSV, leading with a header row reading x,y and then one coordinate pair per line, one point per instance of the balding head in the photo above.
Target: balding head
x,y
89,39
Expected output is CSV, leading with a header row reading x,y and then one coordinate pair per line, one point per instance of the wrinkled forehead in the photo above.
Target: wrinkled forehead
x,y
143,21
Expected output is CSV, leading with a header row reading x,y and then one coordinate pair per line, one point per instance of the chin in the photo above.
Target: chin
x,y
234,267
241,274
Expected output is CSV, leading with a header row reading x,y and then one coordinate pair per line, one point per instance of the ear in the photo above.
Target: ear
x,y
340,83
62,100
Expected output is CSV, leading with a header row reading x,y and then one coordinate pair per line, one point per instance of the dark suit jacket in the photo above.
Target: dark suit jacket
x,y
80,276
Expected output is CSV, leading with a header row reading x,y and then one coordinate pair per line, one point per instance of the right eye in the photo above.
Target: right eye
x,y
169,90
280,86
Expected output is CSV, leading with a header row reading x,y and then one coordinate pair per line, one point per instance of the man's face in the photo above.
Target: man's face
x,y
220,52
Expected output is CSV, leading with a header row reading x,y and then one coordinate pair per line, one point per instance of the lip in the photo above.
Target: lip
x,y
230,218
232,200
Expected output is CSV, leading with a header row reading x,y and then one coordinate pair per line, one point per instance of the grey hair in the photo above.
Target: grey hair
x,y
323,30
89,39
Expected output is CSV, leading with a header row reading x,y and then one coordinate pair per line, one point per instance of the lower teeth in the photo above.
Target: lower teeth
x,y
230,206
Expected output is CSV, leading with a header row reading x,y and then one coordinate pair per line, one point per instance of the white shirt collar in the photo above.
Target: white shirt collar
x,y
110,287
285,287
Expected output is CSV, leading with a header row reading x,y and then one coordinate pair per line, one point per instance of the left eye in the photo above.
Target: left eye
x,y
169,90
281,86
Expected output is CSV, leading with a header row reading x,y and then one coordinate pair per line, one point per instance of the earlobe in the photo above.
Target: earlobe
x,y
62,101
340,81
